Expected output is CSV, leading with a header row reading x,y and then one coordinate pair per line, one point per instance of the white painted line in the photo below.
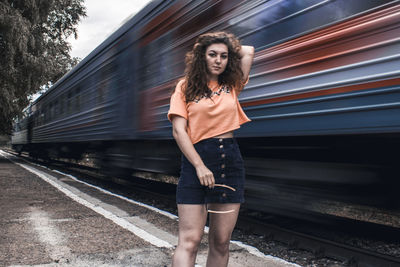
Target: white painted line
x,y
256,252
165,213
117,220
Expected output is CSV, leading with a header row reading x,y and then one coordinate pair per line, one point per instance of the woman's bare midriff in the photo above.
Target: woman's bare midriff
x,y
225,135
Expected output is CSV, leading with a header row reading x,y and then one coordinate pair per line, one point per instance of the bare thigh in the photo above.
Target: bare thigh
x,y
222,225
192,219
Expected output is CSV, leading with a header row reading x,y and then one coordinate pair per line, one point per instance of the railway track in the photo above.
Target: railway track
x,y
349,255
294,233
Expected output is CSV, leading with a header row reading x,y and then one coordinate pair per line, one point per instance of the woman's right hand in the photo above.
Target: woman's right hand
x,y
179,126
205,176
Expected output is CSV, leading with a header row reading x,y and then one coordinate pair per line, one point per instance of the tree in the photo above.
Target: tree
x,y
33,49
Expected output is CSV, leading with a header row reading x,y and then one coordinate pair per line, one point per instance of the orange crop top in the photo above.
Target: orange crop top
x,y
208,117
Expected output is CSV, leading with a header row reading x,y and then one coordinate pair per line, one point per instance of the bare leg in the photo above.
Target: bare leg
x,y
219,236
192,219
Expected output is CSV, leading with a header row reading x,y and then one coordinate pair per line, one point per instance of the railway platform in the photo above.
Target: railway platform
x,y
48,218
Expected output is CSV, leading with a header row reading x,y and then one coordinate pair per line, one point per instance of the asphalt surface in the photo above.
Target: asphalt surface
x,y
51,219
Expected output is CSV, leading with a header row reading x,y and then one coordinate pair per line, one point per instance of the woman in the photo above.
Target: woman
x,y
204,112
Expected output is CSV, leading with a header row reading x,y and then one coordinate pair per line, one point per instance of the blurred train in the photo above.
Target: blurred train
x,y
323,97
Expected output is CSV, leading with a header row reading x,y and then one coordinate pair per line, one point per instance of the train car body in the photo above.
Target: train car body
x,y
22,131
323,94
19,138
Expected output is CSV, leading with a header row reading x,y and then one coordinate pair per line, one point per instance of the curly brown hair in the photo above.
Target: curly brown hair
x,y
195,84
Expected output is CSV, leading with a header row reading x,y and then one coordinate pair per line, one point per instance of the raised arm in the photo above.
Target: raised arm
x,y
247,55
179,131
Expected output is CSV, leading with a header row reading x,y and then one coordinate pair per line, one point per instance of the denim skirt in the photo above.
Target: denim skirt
x,y
222,157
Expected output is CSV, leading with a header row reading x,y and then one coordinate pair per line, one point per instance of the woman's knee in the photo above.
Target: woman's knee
x,y
219,244
190,244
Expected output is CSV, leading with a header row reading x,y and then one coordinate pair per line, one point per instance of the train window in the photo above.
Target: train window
x,y
37,118
69,100
42,112
90,91
39,112
143,73
84,90
34,119
77,99
56,108
45,114
61,108
106,77
48,113
51,111
101,92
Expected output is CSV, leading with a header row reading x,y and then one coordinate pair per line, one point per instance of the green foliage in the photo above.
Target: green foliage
x,y
33,49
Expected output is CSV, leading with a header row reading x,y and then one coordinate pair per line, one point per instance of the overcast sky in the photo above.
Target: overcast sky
x,y
103,18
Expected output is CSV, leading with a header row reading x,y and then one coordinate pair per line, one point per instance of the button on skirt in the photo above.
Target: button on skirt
x,y
222,157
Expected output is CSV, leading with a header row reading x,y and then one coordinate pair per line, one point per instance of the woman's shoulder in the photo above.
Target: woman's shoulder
x,y
180,85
